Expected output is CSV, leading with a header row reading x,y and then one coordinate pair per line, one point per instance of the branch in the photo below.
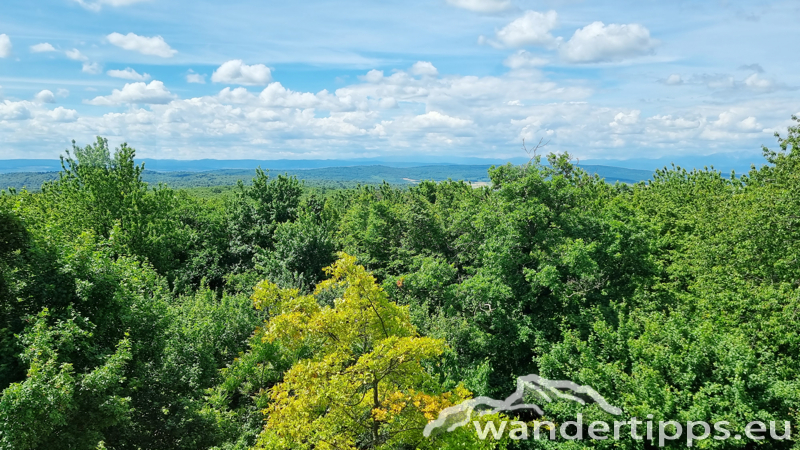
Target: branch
x,y
532,152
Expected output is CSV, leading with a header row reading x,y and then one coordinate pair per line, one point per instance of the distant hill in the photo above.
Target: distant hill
x,y
330,176
208,165
723,162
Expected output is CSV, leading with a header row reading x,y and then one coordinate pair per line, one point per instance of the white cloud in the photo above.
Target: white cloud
x,y
61,114
757,83
63,93
195,78
76,55
730,123
45,96
668,122
374,76
128,74
91,68
749,124
98,4
524,59
277,95
533,28
482,6
726,84
384,114
674,79
436,119
88,67
388,103
14,110
399,113
424,68
5,46
236,95
236,72
153,93
42,48
623,122
155,45
598,42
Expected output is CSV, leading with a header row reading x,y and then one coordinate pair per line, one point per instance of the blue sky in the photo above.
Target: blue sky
x,y
401,79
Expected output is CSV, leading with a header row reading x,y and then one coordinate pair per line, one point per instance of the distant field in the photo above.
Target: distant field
x,y
330,177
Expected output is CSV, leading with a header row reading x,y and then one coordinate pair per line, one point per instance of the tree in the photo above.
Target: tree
x,y
56,406
361,381
256,211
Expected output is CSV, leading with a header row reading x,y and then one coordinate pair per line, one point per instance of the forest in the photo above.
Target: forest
x,y
278,315
347,177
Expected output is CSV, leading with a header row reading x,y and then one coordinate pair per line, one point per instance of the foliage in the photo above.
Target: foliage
x,y
363,384
56,399
126,320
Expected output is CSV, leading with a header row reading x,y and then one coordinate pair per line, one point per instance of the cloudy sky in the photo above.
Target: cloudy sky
x,y
325,79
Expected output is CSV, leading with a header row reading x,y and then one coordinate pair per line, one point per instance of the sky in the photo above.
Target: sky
x,y
410,79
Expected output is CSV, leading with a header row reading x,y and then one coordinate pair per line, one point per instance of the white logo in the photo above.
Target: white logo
x,y
527,386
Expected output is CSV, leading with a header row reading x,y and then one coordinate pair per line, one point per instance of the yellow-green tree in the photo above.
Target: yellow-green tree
x,y
361,384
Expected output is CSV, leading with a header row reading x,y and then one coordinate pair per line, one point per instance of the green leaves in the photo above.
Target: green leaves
x,y
124,323
55,399
361,384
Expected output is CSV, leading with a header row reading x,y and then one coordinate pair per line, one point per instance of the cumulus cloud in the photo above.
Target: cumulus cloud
x,y
673,80
749,124
45,96
91,68
730,122
482,6
435,119
192,77
402,113
598,42
76,55
624,122
5,46
384,113
373,76
128,74
236,95
153,93
42,48
63,93
87,67
524,59
155,45
424,68
61,114
277,95
533,28
237,72
14,110
388,103
758,83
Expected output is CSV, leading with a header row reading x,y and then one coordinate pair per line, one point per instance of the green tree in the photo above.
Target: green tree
x,y
58,406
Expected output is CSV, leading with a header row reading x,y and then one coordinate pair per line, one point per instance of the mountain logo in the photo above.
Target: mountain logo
x,y
527,387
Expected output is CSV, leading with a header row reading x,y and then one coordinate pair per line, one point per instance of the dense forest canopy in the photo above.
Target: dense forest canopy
x,y
286,317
